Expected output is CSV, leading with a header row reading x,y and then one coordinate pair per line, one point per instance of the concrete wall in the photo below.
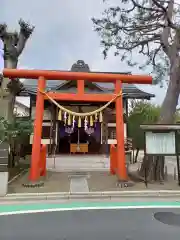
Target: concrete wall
x,y
4,152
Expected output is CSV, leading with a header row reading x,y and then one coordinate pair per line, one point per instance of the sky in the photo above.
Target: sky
x,y
64,34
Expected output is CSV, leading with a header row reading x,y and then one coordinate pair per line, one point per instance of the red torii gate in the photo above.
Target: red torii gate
x,y
43,75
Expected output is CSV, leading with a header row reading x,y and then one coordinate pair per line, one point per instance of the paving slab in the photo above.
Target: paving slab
x,y
79,184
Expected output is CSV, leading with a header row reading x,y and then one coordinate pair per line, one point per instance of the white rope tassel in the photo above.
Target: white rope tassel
x,y
85,123
65,118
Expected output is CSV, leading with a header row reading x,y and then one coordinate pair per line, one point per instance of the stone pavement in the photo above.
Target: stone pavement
x,y
68,163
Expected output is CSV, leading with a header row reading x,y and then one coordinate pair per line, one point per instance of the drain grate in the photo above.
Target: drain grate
x,y
168,218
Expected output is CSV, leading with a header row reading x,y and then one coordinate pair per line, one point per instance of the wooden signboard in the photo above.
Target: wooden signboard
x,y
161,140
160,143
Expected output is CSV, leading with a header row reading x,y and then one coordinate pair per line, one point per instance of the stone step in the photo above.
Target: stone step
x,y
79,170
72,157
77,160
76,163
77,167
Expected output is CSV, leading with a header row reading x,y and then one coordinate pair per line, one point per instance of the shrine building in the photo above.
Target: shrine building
x,y
63,135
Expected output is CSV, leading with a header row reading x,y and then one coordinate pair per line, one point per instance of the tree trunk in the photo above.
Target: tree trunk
x,y
7,105
8,99
155,164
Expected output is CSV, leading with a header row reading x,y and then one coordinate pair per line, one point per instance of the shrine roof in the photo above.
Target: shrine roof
x,y
130,90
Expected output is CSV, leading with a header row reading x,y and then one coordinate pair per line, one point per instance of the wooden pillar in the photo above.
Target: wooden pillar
x,y
127,129
121,160
80,86
54,127
104,128
53,111
30,108
36,148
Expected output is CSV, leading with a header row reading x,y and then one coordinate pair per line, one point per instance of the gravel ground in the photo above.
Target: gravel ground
x,y
54,182
103,181
97,181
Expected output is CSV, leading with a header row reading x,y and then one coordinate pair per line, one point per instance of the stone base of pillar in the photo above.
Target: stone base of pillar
x,y
125,183
33,184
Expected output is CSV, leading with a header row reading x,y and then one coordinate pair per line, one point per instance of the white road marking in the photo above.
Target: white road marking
x,y
90,208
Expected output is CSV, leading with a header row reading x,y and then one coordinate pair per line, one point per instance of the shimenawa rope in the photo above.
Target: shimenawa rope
x,y
99,110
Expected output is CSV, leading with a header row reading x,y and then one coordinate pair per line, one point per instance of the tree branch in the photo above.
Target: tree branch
x,y
160,5
144,8
3,28
141,44
167,30
14,44
149,26
25,31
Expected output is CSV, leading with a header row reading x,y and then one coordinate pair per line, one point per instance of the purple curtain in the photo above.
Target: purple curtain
x,y
61,131
97,132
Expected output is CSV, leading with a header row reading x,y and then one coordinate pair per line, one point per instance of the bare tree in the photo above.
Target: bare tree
x,y
150,28
14,44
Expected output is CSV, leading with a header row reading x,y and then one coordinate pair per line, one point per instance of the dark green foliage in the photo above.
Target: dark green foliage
x,y
18,129
143,112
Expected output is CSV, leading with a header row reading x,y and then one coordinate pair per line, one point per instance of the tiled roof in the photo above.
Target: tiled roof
x,y
129,89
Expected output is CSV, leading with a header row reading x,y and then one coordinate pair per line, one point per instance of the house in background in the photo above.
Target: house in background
x,y
22,107
56,133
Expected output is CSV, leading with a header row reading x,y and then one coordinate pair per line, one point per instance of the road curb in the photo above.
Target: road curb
x,y
91,195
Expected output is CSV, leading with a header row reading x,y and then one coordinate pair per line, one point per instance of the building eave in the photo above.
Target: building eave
x,y
130,90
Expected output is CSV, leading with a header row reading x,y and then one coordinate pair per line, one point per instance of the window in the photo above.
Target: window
x,y
111,133
46,132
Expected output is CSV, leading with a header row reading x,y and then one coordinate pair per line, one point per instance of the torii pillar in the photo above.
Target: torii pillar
x,y
36,148
121,158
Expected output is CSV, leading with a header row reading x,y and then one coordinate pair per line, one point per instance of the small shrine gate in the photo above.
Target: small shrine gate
x,y
80,77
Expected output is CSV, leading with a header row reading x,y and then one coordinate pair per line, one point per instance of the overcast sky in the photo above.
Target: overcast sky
x,y
63,34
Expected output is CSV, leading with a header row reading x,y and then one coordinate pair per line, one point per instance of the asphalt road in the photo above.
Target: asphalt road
x,y
132,224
